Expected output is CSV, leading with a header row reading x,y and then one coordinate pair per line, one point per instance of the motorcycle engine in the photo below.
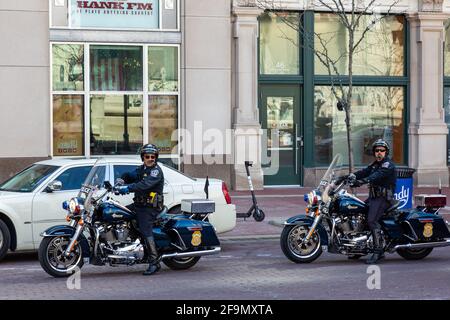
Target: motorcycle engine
x,y
116,233
351,233
119,245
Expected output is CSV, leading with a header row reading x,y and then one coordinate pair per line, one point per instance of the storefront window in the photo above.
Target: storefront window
x,y
279,47
377,112
113,101
163,69
163,123
67,66
381,52
116,124
116,68
68,128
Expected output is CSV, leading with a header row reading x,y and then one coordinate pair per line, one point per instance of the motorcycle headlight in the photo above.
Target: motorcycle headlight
x,y
313,198
74,206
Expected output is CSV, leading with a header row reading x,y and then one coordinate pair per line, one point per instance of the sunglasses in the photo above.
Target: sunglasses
x,y
380,150
152,157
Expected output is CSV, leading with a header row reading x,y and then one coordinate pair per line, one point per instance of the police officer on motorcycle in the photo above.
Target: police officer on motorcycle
x,y
381,176
147,183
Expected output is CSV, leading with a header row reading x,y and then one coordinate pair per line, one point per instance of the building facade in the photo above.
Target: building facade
x,y
216,82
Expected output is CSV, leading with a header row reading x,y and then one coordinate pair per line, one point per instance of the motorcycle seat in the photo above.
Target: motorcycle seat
x,y
161,216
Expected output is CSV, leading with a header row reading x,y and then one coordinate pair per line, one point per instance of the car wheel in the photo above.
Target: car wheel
x,y
5,239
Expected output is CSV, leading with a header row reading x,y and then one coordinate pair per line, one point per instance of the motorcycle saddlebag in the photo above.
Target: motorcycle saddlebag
x,y
194,233
428,226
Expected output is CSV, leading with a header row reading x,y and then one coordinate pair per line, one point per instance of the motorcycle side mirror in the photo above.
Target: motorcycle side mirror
x,y
107,185
55,185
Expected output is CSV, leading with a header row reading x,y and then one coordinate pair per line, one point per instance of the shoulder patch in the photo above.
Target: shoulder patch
x,y
385,165
154,173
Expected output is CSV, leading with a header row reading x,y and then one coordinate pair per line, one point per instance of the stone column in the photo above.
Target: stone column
x,y
246,126
427,129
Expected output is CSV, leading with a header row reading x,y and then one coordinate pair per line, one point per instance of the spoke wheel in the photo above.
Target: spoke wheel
x,y
295,248
54,261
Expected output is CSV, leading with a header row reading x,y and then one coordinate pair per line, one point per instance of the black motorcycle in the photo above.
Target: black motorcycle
x,y
337,221
102,231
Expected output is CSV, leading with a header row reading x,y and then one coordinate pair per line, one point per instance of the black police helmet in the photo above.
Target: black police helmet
x,y
149,149
380,143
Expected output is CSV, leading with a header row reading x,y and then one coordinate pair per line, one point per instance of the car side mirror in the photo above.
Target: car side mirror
x,y
55,185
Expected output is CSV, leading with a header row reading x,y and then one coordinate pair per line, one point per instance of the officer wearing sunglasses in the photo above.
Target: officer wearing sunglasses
x,y
147,183
381,176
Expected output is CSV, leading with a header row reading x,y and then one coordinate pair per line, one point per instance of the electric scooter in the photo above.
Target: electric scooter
x,y
257,213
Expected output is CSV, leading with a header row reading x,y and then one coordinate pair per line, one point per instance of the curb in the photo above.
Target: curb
x,y
251,237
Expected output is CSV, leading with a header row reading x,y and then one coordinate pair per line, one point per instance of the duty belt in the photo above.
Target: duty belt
x,y
380,192
153,200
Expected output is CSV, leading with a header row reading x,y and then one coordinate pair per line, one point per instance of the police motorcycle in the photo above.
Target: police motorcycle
x,y
336,221
104,232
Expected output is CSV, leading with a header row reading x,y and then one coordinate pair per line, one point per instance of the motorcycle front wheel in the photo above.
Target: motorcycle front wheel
x,y
53,260
181,263
295,249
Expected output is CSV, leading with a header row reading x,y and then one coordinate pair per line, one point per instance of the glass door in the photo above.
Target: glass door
x,y
281,117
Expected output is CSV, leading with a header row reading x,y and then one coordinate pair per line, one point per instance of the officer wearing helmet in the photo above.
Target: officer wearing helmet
x,y
381,176
147,183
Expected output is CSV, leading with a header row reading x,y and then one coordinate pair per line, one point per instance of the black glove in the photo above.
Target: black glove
x,y
358,183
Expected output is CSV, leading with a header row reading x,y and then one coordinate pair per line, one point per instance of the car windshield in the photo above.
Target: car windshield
x,y
28,179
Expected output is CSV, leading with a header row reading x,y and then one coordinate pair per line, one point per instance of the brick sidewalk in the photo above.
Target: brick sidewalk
x,y
280,204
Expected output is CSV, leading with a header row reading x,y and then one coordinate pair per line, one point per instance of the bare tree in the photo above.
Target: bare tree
x,y
357,17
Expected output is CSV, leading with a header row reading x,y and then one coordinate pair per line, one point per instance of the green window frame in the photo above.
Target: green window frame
x,y
307,80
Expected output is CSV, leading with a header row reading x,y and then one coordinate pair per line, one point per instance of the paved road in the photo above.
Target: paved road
x,y
252,269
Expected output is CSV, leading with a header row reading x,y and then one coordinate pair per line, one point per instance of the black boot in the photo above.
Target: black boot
x,y
154,265
378,252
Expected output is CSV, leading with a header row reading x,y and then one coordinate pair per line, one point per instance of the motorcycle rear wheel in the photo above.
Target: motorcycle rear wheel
x,y
414,254
52,260
294,249
181,263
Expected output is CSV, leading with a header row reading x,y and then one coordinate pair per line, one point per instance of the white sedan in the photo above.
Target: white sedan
x,y
30,203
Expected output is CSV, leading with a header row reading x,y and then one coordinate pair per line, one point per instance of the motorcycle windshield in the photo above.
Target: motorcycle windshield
x,y
94,182
335,169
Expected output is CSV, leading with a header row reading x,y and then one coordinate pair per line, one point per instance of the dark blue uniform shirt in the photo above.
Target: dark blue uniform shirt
x,y
379,174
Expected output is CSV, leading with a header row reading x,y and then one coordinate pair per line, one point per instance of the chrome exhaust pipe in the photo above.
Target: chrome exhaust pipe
x,y
423,245
190,254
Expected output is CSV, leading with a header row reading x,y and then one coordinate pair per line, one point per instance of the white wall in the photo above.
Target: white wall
x,y
24,79
207,64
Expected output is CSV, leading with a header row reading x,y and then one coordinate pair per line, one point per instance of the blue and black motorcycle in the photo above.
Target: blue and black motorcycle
x,y
104,232
335,220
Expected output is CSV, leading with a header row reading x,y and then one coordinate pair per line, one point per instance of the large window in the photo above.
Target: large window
x,y
68,128
377,112
116,68
163,69
68,63
380,83
116,124
279,44
115,100
380,53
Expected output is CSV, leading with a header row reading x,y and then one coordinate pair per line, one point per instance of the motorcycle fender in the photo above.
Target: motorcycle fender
x,y
64,230
308,221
